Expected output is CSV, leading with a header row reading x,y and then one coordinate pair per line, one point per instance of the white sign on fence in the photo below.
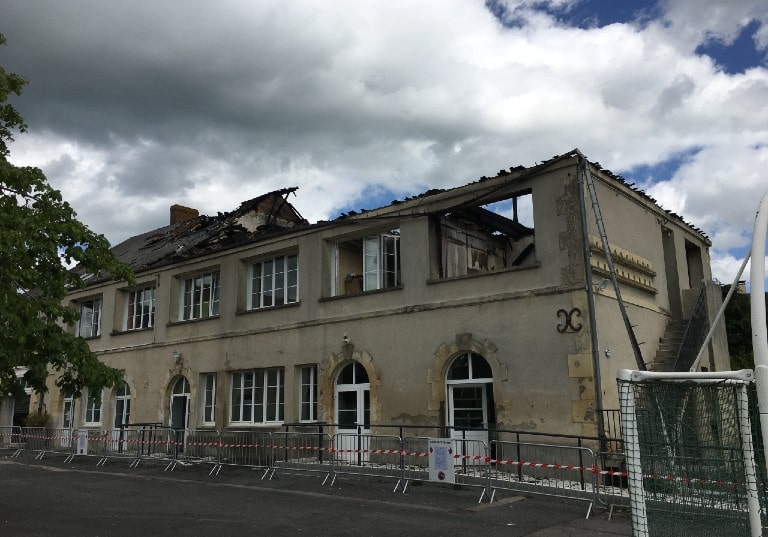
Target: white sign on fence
x,y
441,460
82,442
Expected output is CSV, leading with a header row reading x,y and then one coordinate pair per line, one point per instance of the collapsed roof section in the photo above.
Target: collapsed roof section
x,y
271,214
254,220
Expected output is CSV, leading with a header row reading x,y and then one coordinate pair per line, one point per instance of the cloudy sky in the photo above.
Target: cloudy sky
x,y
134,106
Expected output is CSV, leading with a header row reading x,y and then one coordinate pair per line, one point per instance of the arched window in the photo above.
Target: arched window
x,y
353,373
181,387
470,366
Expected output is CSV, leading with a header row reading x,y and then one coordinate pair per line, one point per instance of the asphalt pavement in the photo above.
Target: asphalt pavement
x,y
52,498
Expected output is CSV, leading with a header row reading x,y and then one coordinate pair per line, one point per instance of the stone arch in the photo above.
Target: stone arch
x,y
329,370
167,384
444,356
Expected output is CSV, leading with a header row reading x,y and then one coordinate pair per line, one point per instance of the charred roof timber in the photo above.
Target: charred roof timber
x,y
190,234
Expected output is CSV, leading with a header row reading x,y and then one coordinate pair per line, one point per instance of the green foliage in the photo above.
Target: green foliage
x,y
39,233
37,419
738,326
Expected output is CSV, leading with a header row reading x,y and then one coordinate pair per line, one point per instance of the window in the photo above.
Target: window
x,y
93,409
140,309
122,406
68,412
209,398
367,263
308,393
257,396
200,296
274,282
487,238
89,324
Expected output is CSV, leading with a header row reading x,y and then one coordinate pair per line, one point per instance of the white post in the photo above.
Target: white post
x,y
632,453
747,448
757,306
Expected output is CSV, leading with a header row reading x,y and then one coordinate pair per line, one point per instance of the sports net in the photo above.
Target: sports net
x,y
691,455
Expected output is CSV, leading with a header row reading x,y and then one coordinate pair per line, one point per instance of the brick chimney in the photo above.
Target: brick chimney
x,y
179,213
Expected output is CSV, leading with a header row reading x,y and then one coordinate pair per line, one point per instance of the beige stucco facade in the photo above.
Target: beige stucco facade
x,y
528,321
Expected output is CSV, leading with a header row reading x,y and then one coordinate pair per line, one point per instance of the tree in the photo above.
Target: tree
x,y
738,326
40,237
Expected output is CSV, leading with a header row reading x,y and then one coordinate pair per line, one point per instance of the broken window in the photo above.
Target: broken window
x,y
486,238
274,282
200,296
367,263
140,309
89,324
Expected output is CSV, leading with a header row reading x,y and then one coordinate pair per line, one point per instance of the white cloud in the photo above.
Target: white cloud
x,y
132,109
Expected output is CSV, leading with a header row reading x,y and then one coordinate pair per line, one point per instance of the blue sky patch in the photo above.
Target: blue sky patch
x,y
647,174
583,14
738,56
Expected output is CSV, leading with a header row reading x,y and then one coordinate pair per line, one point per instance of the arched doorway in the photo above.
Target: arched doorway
x,y
470,406
353,410
122,415
179,415
122,406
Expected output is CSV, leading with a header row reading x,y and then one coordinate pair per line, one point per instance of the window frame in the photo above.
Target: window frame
x,y
97,304
91,411
308,398
259,390
123,395
131,303
68,411
192,306
208,404
380,266
290,281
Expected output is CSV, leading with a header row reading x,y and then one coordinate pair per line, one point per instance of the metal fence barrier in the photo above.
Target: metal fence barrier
x,y
566,471
252,449
470,463
545,469
10,439
303,452
367,454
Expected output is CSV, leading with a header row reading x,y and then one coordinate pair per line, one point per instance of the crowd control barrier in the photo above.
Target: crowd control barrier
x,y
302,452
561,470
10,439
544,469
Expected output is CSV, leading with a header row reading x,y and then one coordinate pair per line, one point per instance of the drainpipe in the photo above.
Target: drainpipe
x,y
591,308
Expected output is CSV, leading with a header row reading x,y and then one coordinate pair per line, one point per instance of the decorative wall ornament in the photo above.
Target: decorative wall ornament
x,y
568,325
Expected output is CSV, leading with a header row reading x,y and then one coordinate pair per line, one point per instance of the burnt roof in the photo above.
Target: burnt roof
x,y
255,219
271,214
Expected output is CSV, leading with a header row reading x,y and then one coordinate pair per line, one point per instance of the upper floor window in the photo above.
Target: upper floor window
x,y
367,263
257,396
89,324
486,238
200,296
274,282
140,309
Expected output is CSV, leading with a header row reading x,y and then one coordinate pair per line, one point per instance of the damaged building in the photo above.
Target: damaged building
x,y
469,307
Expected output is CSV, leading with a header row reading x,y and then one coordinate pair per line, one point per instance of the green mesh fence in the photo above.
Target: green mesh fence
x,y
691,457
